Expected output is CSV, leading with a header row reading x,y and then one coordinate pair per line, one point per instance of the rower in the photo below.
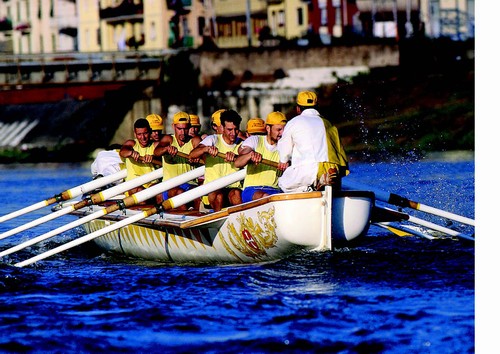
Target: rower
x,y
173,165
195,125
138,154
217,167
256,126
156,124
261,180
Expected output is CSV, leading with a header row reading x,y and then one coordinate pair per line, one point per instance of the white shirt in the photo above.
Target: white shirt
x,y
252,142
106,163
304,144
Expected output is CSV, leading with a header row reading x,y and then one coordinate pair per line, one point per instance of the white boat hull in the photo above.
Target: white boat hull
x,y
265,230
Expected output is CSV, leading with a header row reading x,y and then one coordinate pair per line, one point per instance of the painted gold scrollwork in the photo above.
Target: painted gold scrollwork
x,y
252,239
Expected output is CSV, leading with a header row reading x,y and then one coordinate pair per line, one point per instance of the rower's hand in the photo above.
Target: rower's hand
x,y
135,156
255,157
194,161
230,156
283,166
212,150
147,158
171,150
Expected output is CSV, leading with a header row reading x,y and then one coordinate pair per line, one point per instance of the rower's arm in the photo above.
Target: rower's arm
x,y
198,151
127,148
244,157
163,145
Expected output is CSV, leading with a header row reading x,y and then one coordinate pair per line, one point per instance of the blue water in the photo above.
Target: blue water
x,y
383,294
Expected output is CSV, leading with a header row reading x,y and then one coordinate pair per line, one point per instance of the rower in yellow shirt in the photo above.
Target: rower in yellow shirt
x,y
217,167
261,180
156,124
138,153
174,165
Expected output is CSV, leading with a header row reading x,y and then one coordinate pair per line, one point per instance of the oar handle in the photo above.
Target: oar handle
x,y
186,156
264,161
183,155
156,161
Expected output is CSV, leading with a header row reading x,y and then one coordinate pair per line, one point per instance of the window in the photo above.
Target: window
x,y
324,17
300,16
201,25
152,31
281,18
54,43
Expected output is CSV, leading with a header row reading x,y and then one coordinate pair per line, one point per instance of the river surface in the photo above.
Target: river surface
x,y
384,294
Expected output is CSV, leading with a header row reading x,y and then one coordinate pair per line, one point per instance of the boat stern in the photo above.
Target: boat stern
x,y
351,212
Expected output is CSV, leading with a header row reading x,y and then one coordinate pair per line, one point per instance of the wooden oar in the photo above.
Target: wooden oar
x,y
127,202
68,194
386,214
98,198
398,200
93,199
168,204
263,161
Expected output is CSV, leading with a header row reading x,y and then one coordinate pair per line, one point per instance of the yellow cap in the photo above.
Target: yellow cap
x,y
276,118
256,126
155,121
195,120
181,117
216,117
307,98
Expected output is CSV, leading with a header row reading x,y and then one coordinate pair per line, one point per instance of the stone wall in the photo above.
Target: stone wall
x,y
264,62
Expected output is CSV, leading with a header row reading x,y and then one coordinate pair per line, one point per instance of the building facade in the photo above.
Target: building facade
x,y
333,19
288,19
58,26
406,18
144,25
448,18
44,26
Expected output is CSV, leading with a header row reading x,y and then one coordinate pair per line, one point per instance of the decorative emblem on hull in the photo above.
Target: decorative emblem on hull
x,y
251,239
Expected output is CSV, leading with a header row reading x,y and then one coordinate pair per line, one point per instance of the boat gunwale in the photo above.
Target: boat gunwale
x,y
160,224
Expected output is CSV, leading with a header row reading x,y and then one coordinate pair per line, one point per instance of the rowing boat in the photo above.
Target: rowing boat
x,y
263,230
268,229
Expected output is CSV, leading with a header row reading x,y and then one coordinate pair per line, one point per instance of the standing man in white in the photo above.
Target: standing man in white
x,y
310,150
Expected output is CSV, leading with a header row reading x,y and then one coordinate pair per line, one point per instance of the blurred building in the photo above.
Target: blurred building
x,y
329,20
406,18
454,19
45,26
55,26
132,25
